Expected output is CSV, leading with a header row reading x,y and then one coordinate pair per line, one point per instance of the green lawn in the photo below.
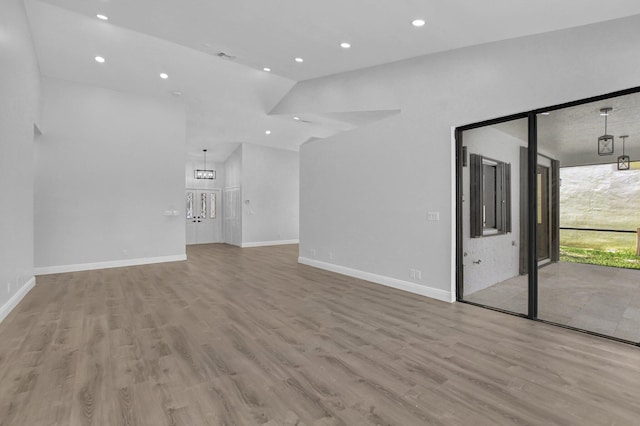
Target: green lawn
x,y
617,258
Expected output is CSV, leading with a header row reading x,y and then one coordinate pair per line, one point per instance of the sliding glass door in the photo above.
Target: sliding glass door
x,y
494,192
594,285
549,215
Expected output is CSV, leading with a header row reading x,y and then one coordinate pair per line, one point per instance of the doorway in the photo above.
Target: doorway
x,y
202,218
575,205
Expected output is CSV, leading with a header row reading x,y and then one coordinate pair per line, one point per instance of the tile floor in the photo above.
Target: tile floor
x,y
596,298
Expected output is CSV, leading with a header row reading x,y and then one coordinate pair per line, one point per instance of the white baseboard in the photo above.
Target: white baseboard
x,y
270,243
410,287
46,270
16,298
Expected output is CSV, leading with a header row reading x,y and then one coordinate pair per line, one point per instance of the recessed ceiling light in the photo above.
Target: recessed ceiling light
x,y
299,60
345,45
296,118
545,113
103,17
266,69
99,59
164,75
268,132
418,22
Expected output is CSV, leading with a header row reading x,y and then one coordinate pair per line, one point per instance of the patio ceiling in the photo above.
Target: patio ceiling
x,y
571,134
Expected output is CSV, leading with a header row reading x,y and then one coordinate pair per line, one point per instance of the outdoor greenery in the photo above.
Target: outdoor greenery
x,y
606,241
617,258
600,197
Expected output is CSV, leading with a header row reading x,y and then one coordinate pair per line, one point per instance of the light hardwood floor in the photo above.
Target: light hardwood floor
x,y
248,336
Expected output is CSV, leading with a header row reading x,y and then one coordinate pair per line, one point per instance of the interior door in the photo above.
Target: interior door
x,y
542,229
232,216
202,216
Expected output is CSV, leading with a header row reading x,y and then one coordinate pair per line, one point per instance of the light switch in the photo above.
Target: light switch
x,y
433,216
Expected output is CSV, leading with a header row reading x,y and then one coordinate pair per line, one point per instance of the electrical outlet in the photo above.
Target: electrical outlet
x,y
312,252
331,256
433,216
9,288
412,273
418,274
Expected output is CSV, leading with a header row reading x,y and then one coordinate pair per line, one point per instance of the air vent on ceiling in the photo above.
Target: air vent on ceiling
x,y
223,55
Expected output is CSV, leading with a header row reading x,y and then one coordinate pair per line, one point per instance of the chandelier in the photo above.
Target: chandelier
x,y
204,173
605,142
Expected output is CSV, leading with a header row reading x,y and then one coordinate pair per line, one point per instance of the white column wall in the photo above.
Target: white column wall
x,y
270,196
109,179
19,108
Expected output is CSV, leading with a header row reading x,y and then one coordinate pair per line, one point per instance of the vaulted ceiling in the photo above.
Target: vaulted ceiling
x,y
228,99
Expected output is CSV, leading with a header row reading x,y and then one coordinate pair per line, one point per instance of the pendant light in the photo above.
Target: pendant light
x,y
204,173
605,142
624,162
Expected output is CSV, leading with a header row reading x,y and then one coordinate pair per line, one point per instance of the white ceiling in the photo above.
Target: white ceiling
x,y
229,101
271,33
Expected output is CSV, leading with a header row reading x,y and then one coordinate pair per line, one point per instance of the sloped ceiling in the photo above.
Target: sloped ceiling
x,y
271,33
232,101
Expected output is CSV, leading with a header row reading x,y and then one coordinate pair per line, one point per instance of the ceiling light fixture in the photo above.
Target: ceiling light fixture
x,y
164,75
345,45
268,132
99,59
299,60
102,17
605,142
624,162
266,69
204,173
545,113
418,22
296,118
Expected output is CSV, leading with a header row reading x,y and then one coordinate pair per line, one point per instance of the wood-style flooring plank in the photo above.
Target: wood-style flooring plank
x,y
250,337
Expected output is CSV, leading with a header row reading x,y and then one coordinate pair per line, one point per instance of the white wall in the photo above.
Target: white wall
x,y
110,166
232,199
600,196
19,107
270,195
366,193
499,255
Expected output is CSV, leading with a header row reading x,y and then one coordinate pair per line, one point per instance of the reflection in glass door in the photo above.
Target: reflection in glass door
x,y
493,199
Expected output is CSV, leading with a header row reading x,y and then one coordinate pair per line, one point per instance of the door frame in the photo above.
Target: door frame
x,y
531,200
218,210
545,213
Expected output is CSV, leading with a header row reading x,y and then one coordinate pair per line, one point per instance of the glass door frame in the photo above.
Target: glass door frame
x,y
543,212
532,199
